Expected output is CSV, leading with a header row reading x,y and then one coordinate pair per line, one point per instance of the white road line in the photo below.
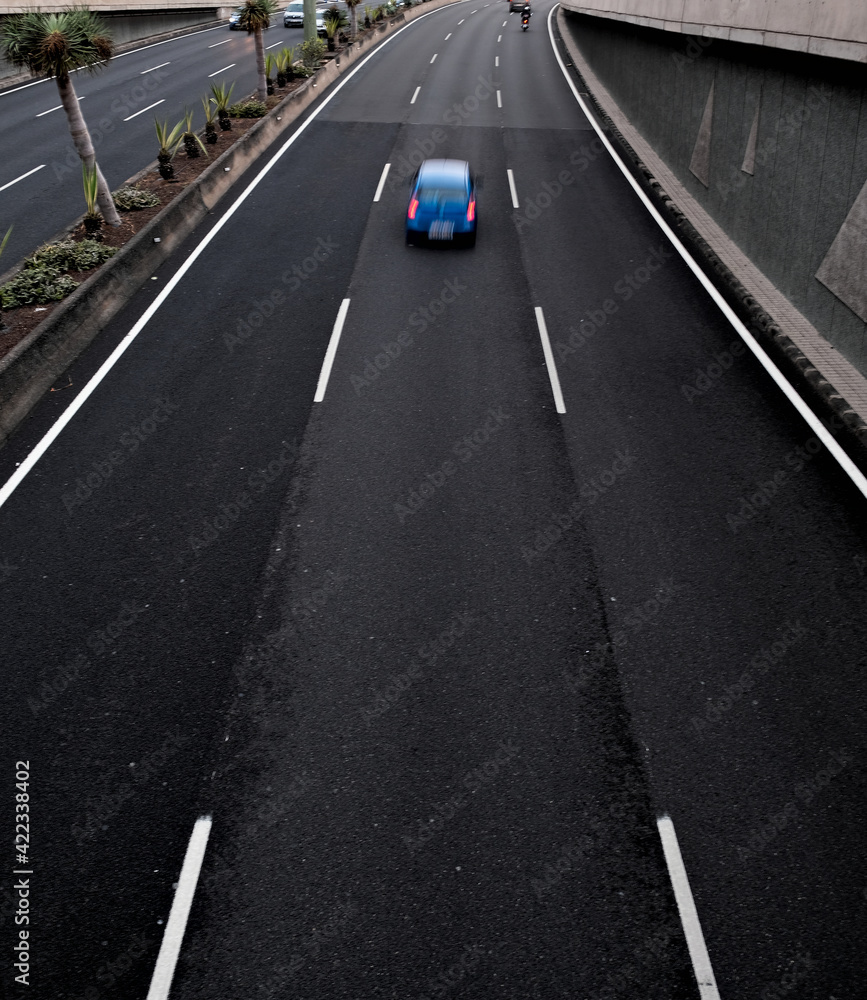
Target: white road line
x,y
57,107
434,57
331,352
57,428
224,41
497,60
505,23
499,37
462,20
9,184
815,424
381,184
415,95
223,70
688,914
274,46
448,36
499,101
174,933
130,118
549,361
511,177
155,67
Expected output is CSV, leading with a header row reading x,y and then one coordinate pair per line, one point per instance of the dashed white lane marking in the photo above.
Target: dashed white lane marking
x,y
219,43
549,361
433,57
462,20
415,95
505,23
274,46
223,70
331,352
688,914
497,60
499,100
513,189
448,36
9,184
815,424
155,67
56,107
174,933
137,113
381,184
499,37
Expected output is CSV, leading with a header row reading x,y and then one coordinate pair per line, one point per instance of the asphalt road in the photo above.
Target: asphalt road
x,y
434,656
40,178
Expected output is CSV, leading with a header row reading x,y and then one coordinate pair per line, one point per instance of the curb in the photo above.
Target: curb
x,y
29,370
841,420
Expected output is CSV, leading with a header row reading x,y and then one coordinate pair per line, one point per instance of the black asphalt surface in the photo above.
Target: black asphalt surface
x,y
178,73
434,656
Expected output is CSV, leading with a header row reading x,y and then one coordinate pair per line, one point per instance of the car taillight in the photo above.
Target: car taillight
x,y
471,210
413,205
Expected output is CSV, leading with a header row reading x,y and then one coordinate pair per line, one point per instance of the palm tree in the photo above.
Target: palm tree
x,y
353,17
255,18
54,45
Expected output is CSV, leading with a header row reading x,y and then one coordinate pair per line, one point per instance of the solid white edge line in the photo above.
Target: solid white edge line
x,y
151,70
15,480
549,361
499,105
381,184
688,914
415,95
9,184
173,935
512,188
758,351
331,352
223,70
137,113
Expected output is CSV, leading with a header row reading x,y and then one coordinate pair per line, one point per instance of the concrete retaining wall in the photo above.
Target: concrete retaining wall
x,y
773,145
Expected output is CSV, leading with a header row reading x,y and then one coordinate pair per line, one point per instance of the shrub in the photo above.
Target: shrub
x,y
70,256
131,199
42,278
248,109
312,52
36,286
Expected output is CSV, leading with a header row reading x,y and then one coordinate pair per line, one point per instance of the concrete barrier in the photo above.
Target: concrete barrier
x,y
33,365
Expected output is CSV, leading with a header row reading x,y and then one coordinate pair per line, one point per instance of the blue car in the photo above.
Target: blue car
x,y
442,206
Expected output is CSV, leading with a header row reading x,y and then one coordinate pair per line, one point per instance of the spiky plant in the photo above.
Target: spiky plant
x,y
222,102
193,145
210,127
255,17
170,141
92,219
55,45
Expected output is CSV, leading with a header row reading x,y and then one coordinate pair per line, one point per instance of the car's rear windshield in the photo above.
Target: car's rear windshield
x,y
297,7
441,195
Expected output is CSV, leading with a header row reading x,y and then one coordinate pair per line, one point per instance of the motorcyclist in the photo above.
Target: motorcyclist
x,y
526,13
